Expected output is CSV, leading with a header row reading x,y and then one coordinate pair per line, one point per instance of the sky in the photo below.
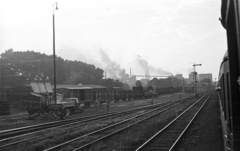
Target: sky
x,y
169,35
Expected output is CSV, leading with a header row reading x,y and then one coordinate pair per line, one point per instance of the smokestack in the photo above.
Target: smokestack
x,y
105,75
130,73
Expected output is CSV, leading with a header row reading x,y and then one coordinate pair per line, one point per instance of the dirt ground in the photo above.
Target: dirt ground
x,y
205,134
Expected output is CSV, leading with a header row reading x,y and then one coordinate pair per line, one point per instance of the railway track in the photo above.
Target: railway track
x,y
167,137
8,135
111,130
4,134
38,134
32,128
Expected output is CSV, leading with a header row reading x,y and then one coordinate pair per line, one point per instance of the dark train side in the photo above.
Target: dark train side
x,y
229,76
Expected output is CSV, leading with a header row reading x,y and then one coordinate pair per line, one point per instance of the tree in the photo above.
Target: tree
x,y
36,66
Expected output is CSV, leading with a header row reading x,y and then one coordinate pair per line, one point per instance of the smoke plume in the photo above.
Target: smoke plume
x,y
112,69
151,70
144,64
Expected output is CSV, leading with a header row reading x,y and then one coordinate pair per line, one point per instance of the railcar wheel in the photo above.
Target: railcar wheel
x,y
67,111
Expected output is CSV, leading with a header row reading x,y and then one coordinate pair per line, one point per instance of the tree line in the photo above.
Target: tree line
x,y
24,67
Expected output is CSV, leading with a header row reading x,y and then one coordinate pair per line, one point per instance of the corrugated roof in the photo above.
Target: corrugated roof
x,y
35,88
49,87
41,87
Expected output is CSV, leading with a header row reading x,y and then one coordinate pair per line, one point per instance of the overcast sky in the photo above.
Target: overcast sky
x,y
170,35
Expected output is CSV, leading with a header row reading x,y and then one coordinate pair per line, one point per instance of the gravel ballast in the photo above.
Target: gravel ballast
x,y
205,134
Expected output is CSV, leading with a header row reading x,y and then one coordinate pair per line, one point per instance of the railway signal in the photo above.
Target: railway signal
x,y
195,77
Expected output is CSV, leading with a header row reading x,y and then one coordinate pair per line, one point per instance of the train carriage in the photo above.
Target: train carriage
x,y
229,75
225,102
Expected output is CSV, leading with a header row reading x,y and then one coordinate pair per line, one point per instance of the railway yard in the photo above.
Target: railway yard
x,y
120,76
178,121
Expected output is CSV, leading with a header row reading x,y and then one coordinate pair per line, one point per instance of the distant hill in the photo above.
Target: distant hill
x,y
21,67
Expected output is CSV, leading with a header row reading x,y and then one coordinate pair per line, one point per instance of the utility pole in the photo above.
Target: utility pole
x,y
195,77
54,56
105,75
209,82
38,66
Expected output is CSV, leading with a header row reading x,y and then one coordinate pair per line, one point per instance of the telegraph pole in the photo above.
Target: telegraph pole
x,y
54,55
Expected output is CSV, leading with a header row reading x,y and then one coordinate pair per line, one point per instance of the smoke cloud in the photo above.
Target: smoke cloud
x,y
151,70
113,69
144,64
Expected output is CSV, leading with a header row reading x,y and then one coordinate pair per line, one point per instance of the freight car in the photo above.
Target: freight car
x,y
229,76
91,93
28,98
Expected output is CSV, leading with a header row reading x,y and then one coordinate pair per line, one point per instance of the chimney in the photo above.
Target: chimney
x,y
105,75
130,73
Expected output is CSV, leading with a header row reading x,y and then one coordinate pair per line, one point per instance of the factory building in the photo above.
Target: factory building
x,y
205,76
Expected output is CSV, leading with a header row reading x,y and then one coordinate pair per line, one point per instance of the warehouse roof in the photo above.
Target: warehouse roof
x,y
73,87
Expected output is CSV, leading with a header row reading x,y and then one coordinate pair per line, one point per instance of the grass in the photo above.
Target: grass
x,y
135,136
53,137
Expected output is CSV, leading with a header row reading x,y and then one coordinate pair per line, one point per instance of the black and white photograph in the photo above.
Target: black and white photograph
x,y
119,75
